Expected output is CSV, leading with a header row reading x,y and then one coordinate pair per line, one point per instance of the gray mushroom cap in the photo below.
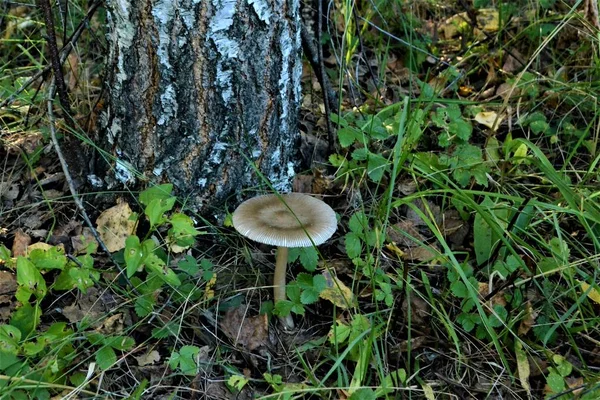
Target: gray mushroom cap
x,y
290,221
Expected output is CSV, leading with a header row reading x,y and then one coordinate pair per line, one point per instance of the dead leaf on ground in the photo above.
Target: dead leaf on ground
x,y
9,191
84,242
337,292
8,287
405,234
514,61
19,247
112,325
419,310
506,90
148,358
87,305
454,228
528,322
114,226
498,299
422,254
248,332
593,293
429,210
489,118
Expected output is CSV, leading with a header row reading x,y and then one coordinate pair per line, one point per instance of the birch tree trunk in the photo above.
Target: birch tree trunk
x,y
197,86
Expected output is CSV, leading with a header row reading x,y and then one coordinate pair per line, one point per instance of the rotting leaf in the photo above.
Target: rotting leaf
x,y
249,332
22,240
523,368
337,292
115,225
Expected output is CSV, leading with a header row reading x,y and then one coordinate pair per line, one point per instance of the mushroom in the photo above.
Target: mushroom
x,y
287,220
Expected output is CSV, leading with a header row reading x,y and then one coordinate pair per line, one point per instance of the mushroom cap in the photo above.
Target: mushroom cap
x,y
268,219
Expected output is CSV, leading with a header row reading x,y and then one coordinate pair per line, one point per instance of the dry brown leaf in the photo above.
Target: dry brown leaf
x,y
529,320
112,325
419,310
337,292
8,283
421,253
249,332
395,234
148,358
19,247
498,299
114,226
81,242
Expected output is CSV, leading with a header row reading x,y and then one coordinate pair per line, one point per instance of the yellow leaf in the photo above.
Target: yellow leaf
x,y
489,119
209,291
394,249
522,366
593,294
114,226
428,391
337,293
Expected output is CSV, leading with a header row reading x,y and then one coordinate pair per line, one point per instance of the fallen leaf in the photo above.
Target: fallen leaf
x,y
593,294
249,332
114,226
85,242
489,118
422,254
395,249
523,369
148,358
337,292
39,246
405,234
19,247
529,320
8,283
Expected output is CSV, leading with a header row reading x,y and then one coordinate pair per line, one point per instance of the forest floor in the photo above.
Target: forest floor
x,y
465,265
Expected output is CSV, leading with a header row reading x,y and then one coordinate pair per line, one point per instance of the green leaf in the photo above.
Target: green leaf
x,y
482,233
106,358
144,305
309,258
348,135
353,245
283,308
53,258
156,209
339,334
555,382
159,192
120,342
10,337
459,289
30,280
182,231
189,265
468,321
133,255
363,394
360,154
497,320
4,254
377,165
155,264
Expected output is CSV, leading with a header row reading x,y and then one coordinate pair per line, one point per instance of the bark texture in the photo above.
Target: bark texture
x,y
202,89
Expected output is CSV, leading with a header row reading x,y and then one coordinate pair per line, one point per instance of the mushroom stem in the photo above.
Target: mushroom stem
x,y
279,283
